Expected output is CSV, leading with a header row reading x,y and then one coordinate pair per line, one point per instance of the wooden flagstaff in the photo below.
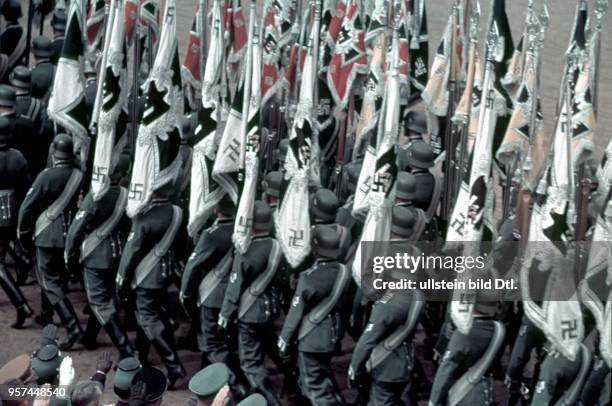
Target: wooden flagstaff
x,y
450,128
109,20
135,80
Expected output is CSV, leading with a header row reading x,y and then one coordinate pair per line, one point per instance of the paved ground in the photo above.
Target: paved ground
x,y
15,342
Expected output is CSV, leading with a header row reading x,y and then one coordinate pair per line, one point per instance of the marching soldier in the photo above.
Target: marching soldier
x,y
418,158
204,281
43,71
95,239
406,192
32,111
23,141
58,23
147,265
463,352
314,317
251,296
415,125
12,40
44,217
323,210
14,183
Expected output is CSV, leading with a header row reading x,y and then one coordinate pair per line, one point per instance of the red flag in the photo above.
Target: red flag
x,y
271,54
95,22
237,28
190,70
349,57
148,17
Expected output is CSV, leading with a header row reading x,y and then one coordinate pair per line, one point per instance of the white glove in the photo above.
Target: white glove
x,y
66,372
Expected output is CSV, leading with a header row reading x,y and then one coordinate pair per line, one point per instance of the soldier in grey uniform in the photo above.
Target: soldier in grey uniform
x,y
385,350
417,158
146,267
14,182
406,192
95,241
204,282
314,318
44,217
252,298
271,188
43,71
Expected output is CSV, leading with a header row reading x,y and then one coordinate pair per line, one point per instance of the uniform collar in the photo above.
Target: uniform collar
x,y
417,171
261,236
323,261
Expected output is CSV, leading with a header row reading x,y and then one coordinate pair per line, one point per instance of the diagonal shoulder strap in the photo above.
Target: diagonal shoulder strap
x,y
261,282
465,384
160,249
105,229
321,310
213,278
57,207
382,351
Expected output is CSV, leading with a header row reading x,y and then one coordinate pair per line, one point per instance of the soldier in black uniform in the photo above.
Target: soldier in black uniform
x,y
44,217
406,192
43,71
323,211
12,40
415,125
417,158
204,282
252,298
23,139
31,111
146,266
95,240
14,182
314,319
58,23
462,352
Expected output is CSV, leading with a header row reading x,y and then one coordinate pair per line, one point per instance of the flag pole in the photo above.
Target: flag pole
x,y
109,19
248,73
601,7
29,32
449,176
135,80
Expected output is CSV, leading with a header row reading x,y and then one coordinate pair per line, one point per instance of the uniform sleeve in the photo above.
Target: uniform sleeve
x,y
449,370
296,312
76,232
371,336
195,267
29,211
231,301
133,252
25,181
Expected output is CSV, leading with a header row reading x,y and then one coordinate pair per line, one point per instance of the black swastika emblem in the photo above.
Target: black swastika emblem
x,y
380,182
136,191
458,224
297,238
99,173
244,224
568,329
234,149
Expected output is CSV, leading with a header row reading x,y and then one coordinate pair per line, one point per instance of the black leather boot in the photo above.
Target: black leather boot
x,y
16,297
119,338
74,332
90,338
176,373
46,313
